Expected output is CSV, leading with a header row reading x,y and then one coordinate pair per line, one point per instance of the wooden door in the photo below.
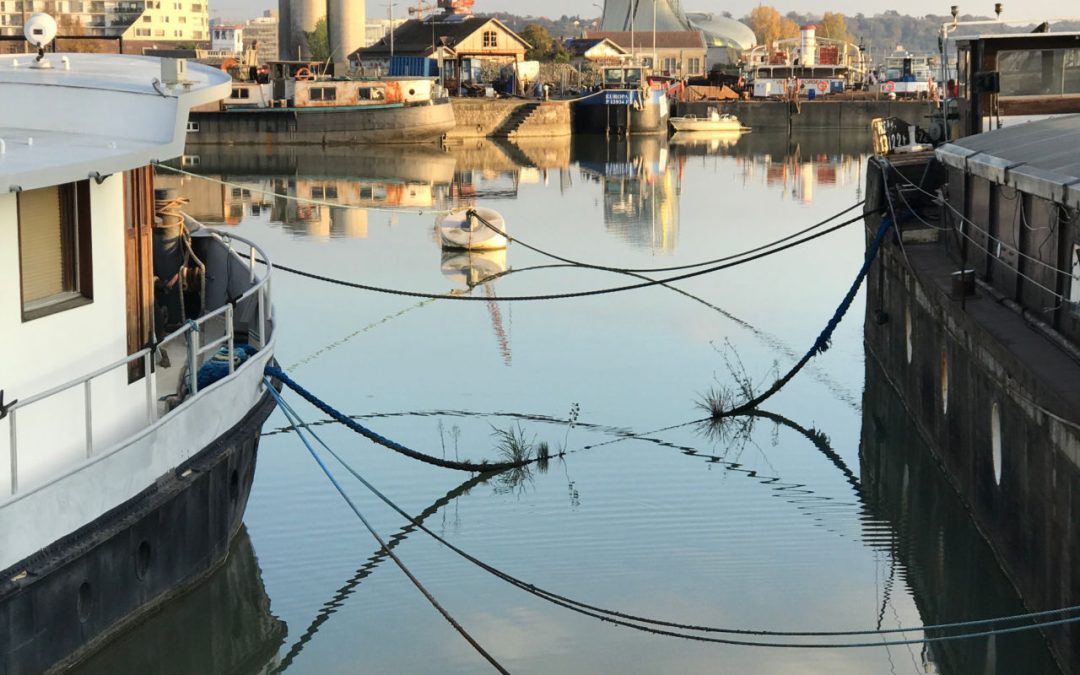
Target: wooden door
x,y
139,262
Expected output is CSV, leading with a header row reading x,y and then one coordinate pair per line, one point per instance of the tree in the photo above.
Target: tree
x,y
789,29
834,26
318,41
541,41
769,26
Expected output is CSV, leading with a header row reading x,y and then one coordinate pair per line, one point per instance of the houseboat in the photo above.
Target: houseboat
x,y
629,101
134,347
972,307
297,103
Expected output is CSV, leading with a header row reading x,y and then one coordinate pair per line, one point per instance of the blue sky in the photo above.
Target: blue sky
x,y
238,9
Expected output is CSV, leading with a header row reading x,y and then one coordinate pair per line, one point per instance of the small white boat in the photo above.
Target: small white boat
x,y
714,122
473,229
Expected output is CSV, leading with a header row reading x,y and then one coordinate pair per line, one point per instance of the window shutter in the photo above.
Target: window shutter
x,y
41,244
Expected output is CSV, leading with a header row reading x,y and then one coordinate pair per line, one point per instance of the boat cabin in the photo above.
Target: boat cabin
x,y
1017,74
114,301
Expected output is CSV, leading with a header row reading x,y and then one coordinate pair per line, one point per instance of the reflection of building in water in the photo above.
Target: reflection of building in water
x,y
307,206
798,176
641,190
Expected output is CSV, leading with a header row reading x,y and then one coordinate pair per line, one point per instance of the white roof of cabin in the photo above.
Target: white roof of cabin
x,y
101,114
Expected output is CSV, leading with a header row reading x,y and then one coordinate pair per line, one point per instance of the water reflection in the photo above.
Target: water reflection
x,y
222,626
332,193
938,551
772,524
640,186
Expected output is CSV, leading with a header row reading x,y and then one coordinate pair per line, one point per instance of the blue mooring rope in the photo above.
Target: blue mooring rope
x,y
297,423
824,339
669,628
342,418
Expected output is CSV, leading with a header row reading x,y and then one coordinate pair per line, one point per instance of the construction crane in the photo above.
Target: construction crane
x,y
422,9
457,6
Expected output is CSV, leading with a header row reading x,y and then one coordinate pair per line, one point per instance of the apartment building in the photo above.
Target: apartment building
x,y
142,24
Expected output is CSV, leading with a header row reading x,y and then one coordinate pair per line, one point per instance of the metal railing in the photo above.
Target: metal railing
x,y
190,332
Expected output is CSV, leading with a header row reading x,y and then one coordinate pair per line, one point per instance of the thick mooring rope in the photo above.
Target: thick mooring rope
x,y
824,339
382,543
574,294
675,268
342,418
670,628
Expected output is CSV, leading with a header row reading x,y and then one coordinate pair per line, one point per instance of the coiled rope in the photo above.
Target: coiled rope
x,y
342,418
573,294
669,628
824,339
382,544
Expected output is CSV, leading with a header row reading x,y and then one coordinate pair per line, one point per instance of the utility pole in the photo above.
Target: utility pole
x,y
390,11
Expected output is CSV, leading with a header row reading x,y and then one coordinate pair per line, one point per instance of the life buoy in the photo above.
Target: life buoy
x,y
889,87
304,74
822,87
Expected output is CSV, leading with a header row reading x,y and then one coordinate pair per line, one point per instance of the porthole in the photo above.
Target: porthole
x,y
142,559
908,333
995,441
944,382
85,601
234,485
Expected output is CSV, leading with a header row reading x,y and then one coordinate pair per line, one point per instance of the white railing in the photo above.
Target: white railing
x,y
190,332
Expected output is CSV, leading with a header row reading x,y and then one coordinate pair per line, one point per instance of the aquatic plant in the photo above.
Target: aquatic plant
x,y
513,446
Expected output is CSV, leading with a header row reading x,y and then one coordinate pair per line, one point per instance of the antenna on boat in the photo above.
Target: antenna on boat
x,y
40,30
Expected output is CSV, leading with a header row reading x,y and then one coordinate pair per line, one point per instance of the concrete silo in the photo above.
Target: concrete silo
x,y
346,21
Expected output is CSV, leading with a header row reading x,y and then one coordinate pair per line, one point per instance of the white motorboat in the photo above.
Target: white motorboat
x,y
133,409
715,121
473,229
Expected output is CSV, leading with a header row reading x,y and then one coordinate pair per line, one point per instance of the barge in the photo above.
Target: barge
x,y
134,348
973,310
293,103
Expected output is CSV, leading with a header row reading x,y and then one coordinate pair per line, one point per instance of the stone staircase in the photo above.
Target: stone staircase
x,y
508,129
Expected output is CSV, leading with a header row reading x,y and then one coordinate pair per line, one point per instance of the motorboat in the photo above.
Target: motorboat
x,y
714,121
473,229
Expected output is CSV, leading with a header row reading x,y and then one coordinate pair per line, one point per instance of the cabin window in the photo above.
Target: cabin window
x,y
54,249
491,38
370,94
323,93
1047,72
240,94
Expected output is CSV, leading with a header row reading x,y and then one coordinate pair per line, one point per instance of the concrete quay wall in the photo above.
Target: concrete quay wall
x,y
482,118
838,114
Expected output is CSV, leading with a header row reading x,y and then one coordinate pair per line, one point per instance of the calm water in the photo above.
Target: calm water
x,y
824,515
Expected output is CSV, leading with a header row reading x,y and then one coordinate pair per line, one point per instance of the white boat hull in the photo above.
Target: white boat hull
x,y
461,230
690,124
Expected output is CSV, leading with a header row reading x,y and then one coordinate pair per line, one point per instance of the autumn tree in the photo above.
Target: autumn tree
x,y
765,22
834,26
